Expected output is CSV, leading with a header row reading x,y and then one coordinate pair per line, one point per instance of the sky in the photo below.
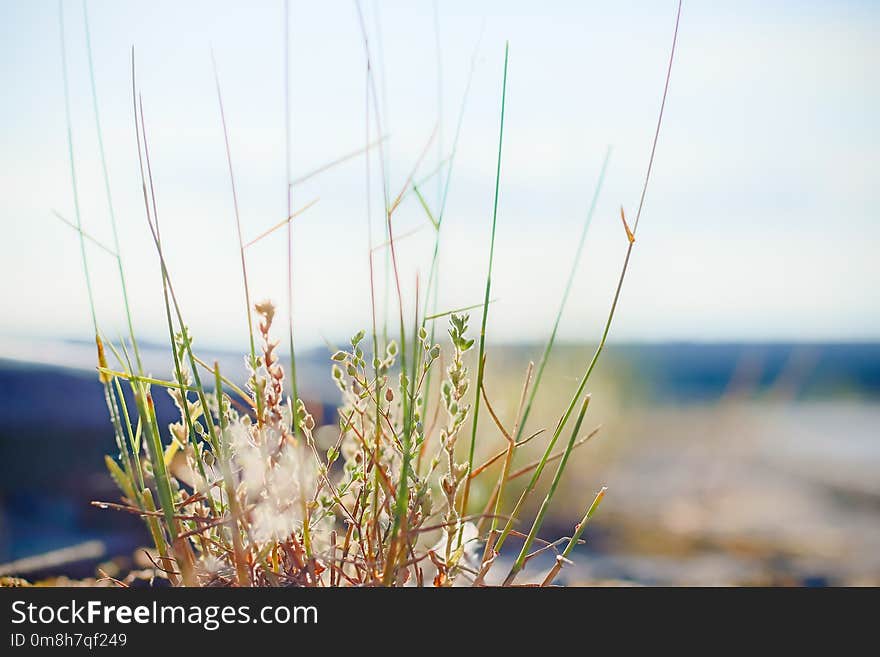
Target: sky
x,y
759,223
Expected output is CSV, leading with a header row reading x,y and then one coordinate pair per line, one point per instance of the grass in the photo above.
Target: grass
x,y
481,361
247,497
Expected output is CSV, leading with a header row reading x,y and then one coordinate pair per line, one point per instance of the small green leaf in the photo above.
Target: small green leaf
x,y
120,478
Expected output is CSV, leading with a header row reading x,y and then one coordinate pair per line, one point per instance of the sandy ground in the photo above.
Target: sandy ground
x,y
739,493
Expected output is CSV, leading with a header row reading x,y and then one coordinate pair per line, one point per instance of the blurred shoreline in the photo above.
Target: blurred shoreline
x,y
671,371
726,463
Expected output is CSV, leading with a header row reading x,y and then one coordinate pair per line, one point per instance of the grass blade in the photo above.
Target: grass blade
x,y
290,214
69,123
592,364
542,512
482,348
578,532
574,266
241,245
106,176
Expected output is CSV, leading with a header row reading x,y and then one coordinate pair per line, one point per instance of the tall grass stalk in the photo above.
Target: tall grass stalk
x,y
390,259
241,245
109,393
548,348
289,186
409,398
106,177
180,346
223,455
592,363
575,538
432,276
433,273
482,347
383,155
72,162
114,396
548,499
439,57
143,398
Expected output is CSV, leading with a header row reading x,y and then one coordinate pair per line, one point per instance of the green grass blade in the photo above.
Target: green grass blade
x,y
582,525
548,348
223,458
595,359
433,275
482,348
154,442
425,207
133,441
456,311
293,388
548,499
155,528
83,233
106,175
575,538
71,159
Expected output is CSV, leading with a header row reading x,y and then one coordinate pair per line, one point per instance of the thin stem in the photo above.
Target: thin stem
x,y
284,222
287,133
168,295
241,245
480,361
576,537
377,436
383,156
592,364
372,95
106,175
82,243
433,275
456,310
542,511
512,444
439,97
132,441
336,162
548,348
84,234
105,380
659,119
222,455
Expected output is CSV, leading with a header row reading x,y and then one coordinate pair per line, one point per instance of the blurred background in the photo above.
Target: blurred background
x,y
738,399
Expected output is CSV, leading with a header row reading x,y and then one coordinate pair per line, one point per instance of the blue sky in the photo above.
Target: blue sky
x,y
760,221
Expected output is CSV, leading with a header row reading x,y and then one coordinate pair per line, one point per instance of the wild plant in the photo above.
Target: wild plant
x,y
240,491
